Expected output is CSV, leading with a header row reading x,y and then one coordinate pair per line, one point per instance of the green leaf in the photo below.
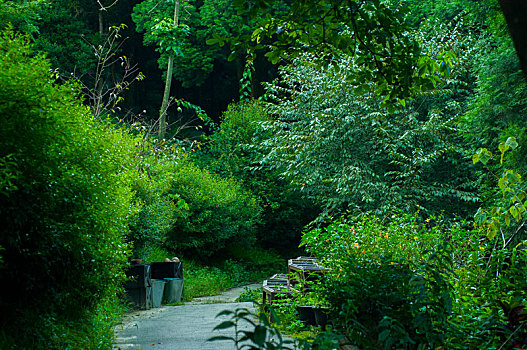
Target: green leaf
x,y
212,41
220,337
225,313
491,231
275,316
232,56
484,156
513,177
507,218
502,149
383,335
480,216
502,183
224,325
515,213
511,142
260,333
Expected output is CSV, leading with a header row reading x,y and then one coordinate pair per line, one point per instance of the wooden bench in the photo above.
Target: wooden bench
x,y
276,285
303,269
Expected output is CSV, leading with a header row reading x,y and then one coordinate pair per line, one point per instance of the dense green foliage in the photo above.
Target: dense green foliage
x,y
389,59
159,209
220,211
344,150
235,151
386,280
406,116
193,58
65,211
407,283
77,194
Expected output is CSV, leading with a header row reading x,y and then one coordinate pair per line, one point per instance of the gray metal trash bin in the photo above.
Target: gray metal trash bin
x,y
174,290
158,287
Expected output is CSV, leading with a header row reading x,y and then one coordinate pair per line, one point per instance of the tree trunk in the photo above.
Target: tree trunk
x,y
168,83
101,23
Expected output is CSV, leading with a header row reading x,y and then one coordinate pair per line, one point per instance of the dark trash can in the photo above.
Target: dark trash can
x,y
322,316
138,276
307,314
138,286
141,298
161,270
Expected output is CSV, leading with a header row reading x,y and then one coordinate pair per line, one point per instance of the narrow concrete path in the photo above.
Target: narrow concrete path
x,y
182,327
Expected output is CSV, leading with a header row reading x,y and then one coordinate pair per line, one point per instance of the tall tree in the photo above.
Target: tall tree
x,y
162,27
168,81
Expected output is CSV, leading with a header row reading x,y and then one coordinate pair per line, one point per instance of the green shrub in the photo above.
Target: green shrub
x,y
406,283
204,280
65,212
235,150
388,281
201,280
159,208
220,212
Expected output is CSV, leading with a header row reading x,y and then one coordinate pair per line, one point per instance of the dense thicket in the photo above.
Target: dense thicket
x,y
220,212
344,150
235,151
65,205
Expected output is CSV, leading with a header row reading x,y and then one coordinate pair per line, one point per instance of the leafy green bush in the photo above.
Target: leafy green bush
x,y
220,211
204,280
249,295
65,212
259,258
403,282
491,281
344,150
159,208
389,281
235,151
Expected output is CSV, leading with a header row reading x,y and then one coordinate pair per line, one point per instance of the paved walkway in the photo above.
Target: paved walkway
x,y
182,327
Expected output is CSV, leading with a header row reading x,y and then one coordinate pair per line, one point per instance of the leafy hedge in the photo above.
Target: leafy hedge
x,y
159,208
65,204
220,211
406,283
235,150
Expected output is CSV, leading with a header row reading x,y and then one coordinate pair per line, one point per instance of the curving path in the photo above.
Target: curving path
x,y
182,327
